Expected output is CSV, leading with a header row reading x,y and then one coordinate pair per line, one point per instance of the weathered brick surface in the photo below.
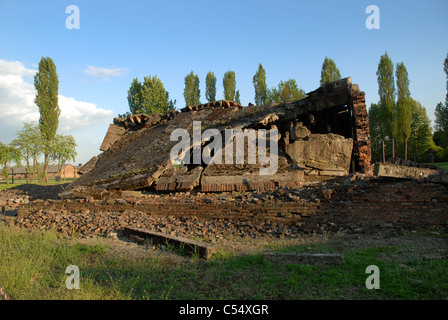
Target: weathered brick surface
x,y
407,204
362,146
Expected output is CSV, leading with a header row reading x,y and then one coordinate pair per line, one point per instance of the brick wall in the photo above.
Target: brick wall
x,y
362,152
410,204
407,204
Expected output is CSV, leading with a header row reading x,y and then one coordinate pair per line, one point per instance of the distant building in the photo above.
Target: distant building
x,y
431,156
69,171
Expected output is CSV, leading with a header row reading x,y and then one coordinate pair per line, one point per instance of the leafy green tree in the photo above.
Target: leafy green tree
x,y
386,92
64,149
285,91
441,124
210,87
135,96
229,84
441,114
445,68
329,71
420,139
404,111
377,132
149,97
29,142
8,154
153,96
191,91
261,89
46,83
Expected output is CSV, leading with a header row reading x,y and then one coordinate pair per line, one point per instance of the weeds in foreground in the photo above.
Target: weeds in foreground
x,y
33,267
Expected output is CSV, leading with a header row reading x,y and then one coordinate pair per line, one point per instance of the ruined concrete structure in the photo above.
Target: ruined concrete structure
x,y
319,137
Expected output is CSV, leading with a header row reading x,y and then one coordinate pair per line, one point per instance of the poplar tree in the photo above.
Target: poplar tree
x,y
46,83
404,110
210,87
261,90
329,71
386,92
191,90
229,84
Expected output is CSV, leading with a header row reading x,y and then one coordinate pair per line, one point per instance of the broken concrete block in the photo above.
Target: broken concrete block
x,y
304,258
204,250
327,152
299,131
211,182
114,133
88,166
179,179
405,172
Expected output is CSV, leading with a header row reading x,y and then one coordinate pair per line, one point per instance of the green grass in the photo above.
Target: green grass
x,y
33,267
18,182
443,165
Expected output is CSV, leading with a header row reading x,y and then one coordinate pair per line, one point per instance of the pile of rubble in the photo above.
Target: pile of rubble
x,y
320,137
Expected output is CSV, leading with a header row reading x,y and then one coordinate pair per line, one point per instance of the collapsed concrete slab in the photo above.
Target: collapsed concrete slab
x,y
388,170
114,133
325,133
324,152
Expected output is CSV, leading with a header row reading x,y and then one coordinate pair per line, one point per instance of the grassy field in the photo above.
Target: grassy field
x,y
32,266
443,165
18,182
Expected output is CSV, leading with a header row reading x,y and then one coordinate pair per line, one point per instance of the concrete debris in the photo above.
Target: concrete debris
x,y
389,170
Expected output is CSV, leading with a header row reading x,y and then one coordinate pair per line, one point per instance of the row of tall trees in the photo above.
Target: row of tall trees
x,y
151,97
397,120
34,141
192,92
289,90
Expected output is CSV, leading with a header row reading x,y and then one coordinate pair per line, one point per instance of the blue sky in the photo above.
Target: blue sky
x,y
121,40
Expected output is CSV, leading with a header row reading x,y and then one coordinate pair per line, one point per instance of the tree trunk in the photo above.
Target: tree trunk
x,y
405,148
47,158
28,169
393,147
6,173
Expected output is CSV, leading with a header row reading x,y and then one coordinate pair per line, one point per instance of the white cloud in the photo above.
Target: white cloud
x,y
16,95
77,115
84,120
105,72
